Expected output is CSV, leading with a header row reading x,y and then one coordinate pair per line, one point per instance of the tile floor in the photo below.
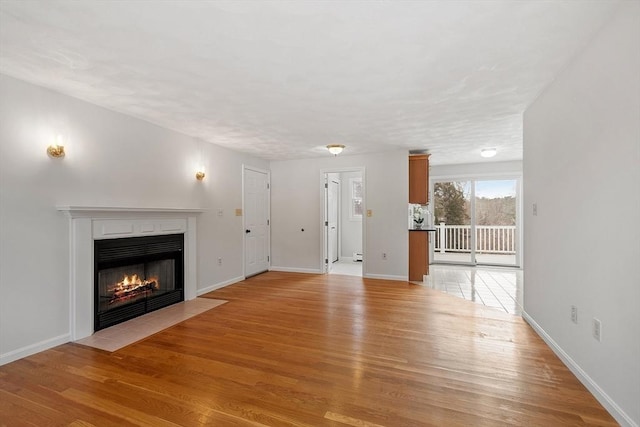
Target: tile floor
x,y
497,287
123,334
347,267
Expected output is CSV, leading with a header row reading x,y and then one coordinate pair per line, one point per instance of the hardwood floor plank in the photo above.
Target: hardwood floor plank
x,y
293,349
80,423
348,420
16,411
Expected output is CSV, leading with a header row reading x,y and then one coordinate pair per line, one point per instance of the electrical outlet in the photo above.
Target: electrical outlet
x,y
384,255
574,314
597,329
219,261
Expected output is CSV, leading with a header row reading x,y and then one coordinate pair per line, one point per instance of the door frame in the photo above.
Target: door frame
x,y
338,219
324,241
244,225
481,177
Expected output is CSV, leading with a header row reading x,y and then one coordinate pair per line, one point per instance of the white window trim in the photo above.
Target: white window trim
x,y
352,215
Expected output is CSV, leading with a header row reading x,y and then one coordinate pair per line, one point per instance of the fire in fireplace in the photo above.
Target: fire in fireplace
x,y
131,287
134,276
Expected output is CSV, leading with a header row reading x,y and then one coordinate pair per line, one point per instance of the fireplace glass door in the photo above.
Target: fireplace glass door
x,y
122,285
135,276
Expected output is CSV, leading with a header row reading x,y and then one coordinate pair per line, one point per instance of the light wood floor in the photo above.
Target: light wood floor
x,y
294,349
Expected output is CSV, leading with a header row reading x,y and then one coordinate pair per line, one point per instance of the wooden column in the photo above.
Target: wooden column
x,y
418,194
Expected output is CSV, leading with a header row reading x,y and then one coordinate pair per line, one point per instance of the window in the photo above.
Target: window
x,y
477,221
355,186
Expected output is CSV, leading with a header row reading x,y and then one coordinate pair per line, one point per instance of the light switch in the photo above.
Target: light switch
x,y
369,213
238,212
219,212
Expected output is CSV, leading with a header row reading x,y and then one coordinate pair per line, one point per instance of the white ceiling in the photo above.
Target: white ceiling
x,y
281,79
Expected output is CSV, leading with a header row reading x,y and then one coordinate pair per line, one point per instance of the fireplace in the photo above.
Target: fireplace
x,y
90,223
136,275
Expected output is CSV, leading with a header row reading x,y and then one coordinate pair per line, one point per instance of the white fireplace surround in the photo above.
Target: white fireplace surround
x,y
89,223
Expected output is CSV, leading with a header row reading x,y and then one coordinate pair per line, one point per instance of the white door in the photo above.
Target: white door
x,y
333,196
256,222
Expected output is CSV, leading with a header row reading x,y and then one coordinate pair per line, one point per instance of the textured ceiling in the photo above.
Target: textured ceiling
x,y
282,79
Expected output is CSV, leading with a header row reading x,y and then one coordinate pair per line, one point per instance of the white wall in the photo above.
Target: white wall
x,y
582,168
476,170
296,204
112,160
351,229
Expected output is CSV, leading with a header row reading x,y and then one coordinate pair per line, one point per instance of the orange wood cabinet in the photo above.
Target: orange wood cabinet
x,y
418,255
419,179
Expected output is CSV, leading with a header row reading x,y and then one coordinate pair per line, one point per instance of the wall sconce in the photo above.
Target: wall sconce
x,y
335,149
200,174
56,149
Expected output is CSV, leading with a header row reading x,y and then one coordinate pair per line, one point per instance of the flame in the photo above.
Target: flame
x,y
132,286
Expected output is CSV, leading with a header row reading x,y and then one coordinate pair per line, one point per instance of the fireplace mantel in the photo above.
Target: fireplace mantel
x,y
108,211
89,223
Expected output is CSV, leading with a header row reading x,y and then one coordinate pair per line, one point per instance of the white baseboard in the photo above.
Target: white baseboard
x,y
385,277
296,270
33,349
219,285
584,378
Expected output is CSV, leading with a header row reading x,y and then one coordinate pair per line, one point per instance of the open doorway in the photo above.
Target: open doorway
x,y
343,222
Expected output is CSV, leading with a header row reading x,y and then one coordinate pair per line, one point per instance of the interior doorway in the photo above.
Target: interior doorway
x,y
333,212
343,208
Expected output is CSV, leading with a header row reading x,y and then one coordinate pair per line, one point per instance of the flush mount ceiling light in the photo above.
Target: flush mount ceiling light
x,y
335,149
488,152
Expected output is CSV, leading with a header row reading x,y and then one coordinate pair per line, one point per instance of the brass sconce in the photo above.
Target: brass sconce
x,y
56,149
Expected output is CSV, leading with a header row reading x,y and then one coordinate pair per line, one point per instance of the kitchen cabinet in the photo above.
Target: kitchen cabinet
x,y
418,238
418,254
419,179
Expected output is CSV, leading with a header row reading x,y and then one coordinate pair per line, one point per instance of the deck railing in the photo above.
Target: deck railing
x,y
490,239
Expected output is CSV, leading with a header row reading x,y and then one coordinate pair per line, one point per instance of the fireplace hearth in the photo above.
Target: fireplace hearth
x,y
136,275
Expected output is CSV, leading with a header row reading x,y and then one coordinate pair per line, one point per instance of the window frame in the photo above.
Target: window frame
x,y
353,216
